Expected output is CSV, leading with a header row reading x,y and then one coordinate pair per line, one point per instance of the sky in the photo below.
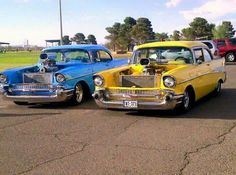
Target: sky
x,y
38,20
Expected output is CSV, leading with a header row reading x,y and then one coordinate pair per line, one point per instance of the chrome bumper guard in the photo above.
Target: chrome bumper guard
x,y
162,100
60,94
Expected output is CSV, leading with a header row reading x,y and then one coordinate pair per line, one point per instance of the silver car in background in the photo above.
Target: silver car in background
x,y
212,46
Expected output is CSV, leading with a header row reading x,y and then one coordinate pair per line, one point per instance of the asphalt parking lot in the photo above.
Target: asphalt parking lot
x,y
81,140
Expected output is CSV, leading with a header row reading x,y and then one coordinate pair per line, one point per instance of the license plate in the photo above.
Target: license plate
x,y
130,104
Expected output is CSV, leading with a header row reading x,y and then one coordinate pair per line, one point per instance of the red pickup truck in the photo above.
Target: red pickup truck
x,y
227,48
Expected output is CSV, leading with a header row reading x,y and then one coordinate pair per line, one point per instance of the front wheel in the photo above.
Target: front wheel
x,y
230,57
218,89
78,96
187,102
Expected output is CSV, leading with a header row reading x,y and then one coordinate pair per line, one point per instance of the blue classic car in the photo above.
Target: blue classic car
x,y
63,73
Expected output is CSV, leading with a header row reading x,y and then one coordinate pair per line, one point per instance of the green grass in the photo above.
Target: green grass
x,y
24,58
18,59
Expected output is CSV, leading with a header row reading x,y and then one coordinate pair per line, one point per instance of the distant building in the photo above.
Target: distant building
x,y
53,42
4,43
3,49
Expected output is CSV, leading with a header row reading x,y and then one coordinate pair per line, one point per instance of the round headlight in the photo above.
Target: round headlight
x,y
169,82
3,78
60,78
98,81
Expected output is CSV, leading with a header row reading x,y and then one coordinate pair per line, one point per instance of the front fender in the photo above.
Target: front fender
x,y
15,75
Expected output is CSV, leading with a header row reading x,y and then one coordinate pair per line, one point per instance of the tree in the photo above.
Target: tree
x,y
91,39
188,34
129,21
225,30
66,40
201,28
125,40
162,36
176,35
143,30
79,38
113,34
230,32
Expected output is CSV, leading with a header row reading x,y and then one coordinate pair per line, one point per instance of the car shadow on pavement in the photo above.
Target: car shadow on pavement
x,y
7,115
87,104
209,107
230,63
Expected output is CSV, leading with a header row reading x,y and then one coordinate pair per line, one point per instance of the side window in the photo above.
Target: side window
x,y
221,43
207,55
102,56
199,54
209,45
232,41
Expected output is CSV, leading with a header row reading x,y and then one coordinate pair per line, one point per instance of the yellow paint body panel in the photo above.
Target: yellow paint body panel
x,y
202,77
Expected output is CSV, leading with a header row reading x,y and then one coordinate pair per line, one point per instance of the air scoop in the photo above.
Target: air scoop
x,y
47,64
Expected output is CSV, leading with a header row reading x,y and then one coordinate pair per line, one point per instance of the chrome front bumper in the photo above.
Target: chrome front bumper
x,y
59,95
167,101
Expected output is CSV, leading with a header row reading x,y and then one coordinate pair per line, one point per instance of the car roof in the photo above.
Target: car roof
x,y
188,44
86,47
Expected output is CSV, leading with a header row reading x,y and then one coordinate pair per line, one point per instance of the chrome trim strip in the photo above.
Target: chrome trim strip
x,y
60,97
26,87
198,77
154,103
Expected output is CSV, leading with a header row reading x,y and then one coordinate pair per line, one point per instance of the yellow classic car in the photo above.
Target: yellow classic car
x,y
162,76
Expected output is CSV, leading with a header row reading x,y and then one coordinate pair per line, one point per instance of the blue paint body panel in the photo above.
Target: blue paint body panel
x,y
74,71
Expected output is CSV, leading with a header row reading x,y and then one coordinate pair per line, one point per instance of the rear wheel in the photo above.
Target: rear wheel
x,y
230,57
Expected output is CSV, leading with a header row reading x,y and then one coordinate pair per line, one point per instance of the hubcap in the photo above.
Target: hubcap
x,y
79,93
231,57
186,100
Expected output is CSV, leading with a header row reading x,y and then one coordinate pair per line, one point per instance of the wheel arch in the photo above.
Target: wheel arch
x,y
86,87
229,51
221,80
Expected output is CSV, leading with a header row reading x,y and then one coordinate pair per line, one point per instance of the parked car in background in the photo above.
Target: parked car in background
x,y
212,46
227,48
161,75
63,73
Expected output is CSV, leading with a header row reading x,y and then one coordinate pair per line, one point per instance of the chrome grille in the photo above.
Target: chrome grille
x,y
134,92
141,81
44,78
32,87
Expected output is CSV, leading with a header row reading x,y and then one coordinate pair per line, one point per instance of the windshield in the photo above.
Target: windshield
x,y
66,55
168,55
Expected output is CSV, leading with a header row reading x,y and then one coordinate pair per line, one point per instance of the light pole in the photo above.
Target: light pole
x,y
61,30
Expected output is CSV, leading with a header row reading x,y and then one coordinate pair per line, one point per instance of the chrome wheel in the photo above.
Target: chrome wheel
x,y
186,100
230,57
79,93
218,89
